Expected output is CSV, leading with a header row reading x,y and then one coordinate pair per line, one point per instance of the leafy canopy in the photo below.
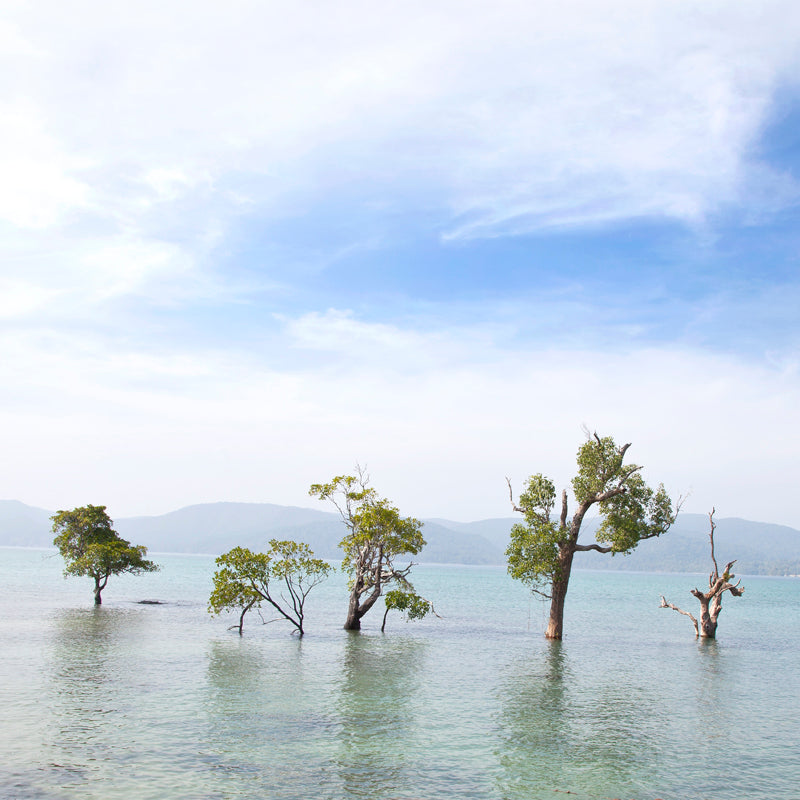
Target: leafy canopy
x,y
282,577
91,547
533,551
541,547
409,602
375,536
374,525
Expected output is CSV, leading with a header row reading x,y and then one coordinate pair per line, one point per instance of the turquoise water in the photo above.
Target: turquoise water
x,y
162,701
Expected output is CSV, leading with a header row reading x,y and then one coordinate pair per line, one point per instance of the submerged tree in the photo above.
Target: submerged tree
x,y
90,546
710,601
542,548
283,577
376,536
408,602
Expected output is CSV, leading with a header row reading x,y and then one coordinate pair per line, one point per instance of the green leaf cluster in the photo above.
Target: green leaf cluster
x,y
534,547
638,513
375,529
409,602
282,577
600,468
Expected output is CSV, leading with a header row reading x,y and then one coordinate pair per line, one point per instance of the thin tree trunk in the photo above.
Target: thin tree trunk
x,y
97,589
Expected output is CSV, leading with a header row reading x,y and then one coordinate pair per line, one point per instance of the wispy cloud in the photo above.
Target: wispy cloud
x,y
244,249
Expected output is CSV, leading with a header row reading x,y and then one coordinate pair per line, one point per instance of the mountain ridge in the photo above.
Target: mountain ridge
x,y
213,528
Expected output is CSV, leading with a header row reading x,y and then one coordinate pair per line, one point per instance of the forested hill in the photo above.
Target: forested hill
x,y
214,528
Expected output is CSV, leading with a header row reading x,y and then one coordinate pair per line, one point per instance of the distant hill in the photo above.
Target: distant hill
x,y
24,526
214,528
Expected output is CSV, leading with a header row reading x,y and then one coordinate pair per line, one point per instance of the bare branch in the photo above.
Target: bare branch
x,y
711,538
665,604
511,497
711,601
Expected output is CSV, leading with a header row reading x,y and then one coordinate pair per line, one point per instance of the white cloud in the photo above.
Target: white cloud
x,y
512,118
150,431
38,187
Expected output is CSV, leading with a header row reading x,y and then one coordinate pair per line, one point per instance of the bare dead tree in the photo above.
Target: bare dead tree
x,y
710,601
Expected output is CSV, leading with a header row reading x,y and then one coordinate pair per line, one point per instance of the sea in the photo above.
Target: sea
x,y
133,701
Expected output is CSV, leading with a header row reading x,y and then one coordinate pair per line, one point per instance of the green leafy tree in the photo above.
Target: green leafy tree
x,y
376,536
542,547
90,546
408,602
283,578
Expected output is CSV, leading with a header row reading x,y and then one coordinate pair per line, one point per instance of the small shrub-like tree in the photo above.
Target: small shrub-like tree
x,y
283,578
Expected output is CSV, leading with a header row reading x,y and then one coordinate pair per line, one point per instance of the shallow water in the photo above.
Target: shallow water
x,y
163,701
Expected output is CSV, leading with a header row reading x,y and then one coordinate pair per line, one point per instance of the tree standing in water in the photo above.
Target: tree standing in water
x,y
376,536
282,577
710,601
542,548
90,546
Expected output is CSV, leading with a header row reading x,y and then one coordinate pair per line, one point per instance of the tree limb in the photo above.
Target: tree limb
x,y
665,604
597,547
711,538
511,498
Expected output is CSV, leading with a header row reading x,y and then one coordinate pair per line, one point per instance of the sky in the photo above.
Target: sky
x,y
247,246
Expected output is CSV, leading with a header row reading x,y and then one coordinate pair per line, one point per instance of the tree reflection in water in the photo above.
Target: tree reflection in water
x,y
381,743
563,731
90,694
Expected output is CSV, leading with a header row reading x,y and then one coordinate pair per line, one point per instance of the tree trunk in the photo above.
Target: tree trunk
x,y
353,621
555,625
708,620
97,589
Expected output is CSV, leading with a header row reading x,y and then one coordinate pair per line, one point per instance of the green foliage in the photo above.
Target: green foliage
x,y
91,547
283,577
373,524
533,551
541,548
600,468
533,555
376,536
638,513
409,602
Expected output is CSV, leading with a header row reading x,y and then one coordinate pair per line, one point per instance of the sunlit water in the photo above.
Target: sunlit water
x,y
163,701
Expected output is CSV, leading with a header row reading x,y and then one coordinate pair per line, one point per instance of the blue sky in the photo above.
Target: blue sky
x,y
244,249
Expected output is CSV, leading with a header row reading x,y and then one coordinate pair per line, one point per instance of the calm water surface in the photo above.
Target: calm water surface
x,y
162,701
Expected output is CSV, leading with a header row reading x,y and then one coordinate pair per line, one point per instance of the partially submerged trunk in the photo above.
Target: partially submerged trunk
x,y
356,608
567,550
373,570
710,601
354,613
558,596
